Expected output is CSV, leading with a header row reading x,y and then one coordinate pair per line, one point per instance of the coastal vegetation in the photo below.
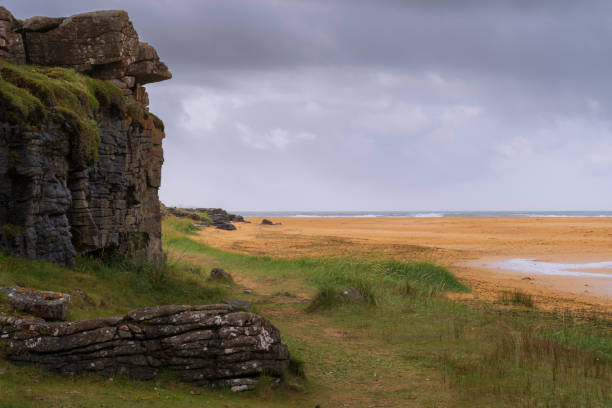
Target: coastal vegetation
x,y
31,95
408,345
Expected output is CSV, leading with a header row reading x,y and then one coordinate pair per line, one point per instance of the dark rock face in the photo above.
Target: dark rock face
x,y
210,345
41,303
53,205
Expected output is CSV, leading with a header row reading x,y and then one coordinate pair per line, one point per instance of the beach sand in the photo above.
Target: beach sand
x,y
467,246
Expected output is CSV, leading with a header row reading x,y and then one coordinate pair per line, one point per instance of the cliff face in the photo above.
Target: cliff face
x,y
80,155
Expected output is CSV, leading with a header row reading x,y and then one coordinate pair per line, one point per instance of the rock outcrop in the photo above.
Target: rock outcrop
x,y
216,217
55,200
219,215
210,345
40,303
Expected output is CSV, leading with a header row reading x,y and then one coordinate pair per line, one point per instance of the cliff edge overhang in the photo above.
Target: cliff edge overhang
x,y
80,153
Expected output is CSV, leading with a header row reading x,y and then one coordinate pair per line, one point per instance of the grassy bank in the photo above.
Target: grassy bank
x,y
407,346
477,355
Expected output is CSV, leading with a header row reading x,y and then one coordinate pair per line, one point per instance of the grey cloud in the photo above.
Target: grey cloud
x,y
379,104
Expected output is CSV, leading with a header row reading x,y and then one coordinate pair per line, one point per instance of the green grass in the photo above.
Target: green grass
x,y
477,355
113,287
32,95
410,346
379,281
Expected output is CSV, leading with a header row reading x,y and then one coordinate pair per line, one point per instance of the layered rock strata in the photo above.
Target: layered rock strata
x,y
54,204
211,345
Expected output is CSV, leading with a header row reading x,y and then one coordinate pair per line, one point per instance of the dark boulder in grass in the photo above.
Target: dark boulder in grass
x,y
220,274
266,222
40,303
208,345
352,295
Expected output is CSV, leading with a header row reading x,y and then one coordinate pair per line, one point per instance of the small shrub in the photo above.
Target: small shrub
x,y
326,298
407,289
297,367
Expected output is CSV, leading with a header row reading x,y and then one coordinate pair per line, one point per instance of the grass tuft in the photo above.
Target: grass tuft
x,y
297,367
518,298
325,299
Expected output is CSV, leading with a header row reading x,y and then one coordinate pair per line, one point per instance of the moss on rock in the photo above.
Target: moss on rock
x,y
31,95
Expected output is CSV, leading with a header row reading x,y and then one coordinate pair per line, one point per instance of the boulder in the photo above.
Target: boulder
x,y
225,226
266,222
208,345
220,274
352,295
45,304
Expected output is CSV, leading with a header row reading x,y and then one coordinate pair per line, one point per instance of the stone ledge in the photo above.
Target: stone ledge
x,y
208,345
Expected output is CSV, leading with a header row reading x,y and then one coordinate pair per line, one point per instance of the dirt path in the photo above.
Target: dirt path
x,y
467,246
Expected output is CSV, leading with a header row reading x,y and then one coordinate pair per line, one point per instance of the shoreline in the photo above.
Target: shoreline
x,y
465,245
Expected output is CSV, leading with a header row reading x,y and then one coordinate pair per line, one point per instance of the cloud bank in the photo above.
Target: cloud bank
x,y
378,105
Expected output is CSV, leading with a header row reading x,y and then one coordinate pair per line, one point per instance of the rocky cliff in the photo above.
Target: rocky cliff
x,y
80,154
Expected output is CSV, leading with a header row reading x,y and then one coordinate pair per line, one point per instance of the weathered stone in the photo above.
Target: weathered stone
x,y
54,203
238,304
352,295
11,42
148,68
45,304
220,274
41,24
225,226
221,348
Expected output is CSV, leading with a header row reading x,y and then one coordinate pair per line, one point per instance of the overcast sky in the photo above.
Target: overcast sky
x,y
378,105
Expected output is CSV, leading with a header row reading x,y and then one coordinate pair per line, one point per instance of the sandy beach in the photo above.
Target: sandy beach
x,y
475,249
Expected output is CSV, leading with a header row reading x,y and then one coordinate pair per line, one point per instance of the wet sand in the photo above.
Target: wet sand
x,y
471,247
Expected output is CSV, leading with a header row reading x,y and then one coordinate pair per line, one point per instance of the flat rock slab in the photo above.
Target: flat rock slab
x,y
207,345
41,303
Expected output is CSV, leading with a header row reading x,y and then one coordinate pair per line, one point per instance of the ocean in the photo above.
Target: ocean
x,y
422,214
